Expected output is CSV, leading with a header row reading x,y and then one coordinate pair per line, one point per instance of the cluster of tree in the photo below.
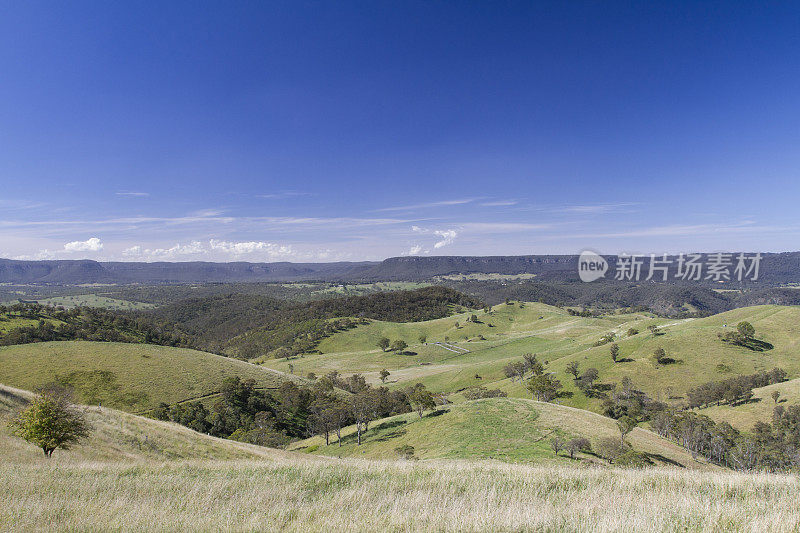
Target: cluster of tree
x,y
275,417
733,390
628,402
586,381
517,369
393,346
479,393
773,447
85,323
745,336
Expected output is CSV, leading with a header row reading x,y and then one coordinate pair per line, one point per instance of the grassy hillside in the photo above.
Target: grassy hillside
x,y
760,408
501,428
358,495
132,377
119,436
560,339
509,331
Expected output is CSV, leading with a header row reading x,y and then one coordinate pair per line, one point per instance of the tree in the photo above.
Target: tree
x,y
632,332
574,369
557,443
51,422
362,408
775,395
423,339
654,329
421,399
610,448
746,329
473,319
383,343
398,346
544,387
614,351
384,374
625,425
659,355
578,445
533,364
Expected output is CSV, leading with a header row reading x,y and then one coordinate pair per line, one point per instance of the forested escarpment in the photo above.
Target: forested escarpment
x,y
236,324
247,326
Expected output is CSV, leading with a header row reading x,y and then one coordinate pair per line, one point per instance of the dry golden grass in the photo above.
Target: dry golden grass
x,y
357,495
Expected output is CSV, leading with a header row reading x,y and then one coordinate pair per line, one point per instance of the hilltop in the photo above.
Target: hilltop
x,y
507,429
132,377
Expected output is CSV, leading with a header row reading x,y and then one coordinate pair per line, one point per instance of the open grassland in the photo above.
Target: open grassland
x,y
120,436
133,377
359,495
512,430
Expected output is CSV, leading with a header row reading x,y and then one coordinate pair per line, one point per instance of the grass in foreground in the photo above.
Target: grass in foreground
x,y
358,495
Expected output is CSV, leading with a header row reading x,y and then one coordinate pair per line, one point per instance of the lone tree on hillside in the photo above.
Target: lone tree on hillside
x,y
558,444
398,346
423,339
384,374
574,369
775,395
421,399
51,422
614,352
746,330
578,445
383,343
625,425
544,387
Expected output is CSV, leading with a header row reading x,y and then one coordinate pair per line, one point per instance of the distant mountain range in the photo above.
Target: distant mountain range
x,y
777,268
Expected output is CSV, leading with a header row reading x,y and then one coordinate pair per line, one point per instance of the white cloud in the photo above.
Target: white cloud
x,y
250,247
90,245
133,194
448,236
415,250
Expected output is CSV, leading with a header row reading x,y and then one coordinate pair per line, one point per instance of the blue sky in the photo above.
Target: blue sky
x,y
298,131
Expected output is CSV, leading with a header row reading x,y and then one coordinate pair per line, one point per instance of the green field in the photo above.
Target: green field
x,y
139,376
513,430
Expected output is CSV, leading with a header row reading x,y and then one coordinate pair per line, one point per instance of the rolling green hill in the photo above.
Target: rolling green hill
x,y
119,436
132,377
560,339
508,332
507,429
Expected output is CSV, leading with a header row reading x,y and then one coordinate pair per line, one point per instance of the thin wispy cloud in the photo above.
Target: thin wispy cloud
x,y
132,194
429,205
500,203
595,209
282,195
